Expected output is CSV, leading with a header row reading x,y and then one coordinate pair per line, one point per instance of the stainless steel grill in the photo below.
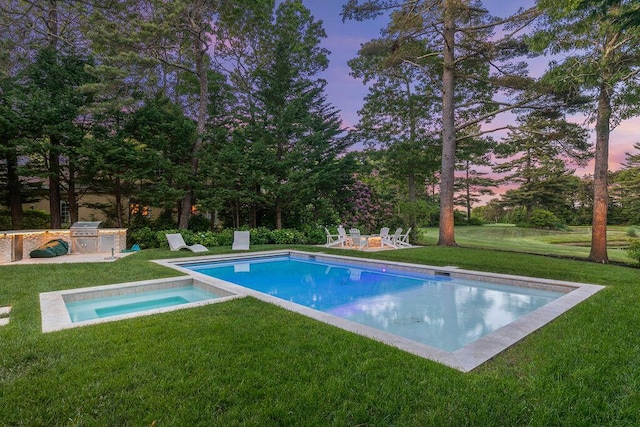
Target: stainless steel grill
x,y
84,236
85,228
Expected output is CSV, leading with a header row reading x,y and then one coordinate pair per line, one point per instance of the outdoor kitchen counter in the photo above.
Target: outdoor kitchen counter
x,y
17,244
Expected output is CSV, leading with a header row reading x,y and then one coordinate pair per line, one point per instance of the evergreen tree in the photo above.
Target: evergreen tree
x,y
473,184
55,125
11,122
294,127
167,48
460,34
627,183
45,37
602,65
537,153
165,166
399,113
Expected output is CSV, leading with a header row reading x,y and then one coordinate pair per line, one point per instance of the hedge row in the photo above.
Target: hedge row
x,y
148,238
31,220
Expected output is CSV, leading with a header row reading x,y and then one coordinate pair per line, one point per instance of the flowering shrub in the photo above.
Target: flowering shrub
x,y
261,236
288,237
368,212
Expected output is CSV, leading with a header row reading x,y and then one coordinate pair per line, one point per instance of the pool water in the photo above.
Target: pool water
x,y
97,308
442,312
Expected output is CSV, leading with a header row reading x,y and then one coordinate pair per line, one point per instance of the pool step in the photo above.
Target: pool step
x,y
4,315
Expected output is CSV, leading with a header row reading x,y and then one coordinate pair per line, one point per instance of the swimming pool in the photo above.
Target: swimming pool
x,y
108,306
454,316
87,306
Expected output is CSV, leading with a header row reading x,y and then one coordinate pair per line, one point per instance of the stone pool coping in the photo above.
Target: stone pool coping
x,y
55,315
464,359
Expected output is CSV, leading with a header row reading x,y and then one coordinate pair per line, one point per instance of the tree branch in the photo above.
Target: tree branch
x,y
484,132
494,113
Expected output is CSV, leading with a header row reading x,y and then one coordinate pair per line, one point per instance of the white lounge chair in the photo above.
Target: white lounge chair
x,y
241,241
176,242
403,240
357,240
335,239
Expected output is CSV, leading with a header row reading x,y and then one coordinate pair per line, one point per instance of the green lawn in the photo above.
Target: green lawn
x,y
246,362
572,243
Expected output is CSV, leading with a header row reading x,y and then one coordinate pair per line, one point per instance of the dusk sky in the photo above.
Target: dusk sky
x,y
347,94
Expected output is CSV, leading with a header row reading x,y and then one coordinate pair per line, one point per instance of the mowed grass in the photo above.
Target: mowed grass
x,y
573,243
246,362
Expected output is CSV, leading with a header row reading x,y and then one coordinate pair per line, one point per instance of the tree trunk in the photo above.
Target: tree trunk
x,y
185,209
51,22
600,190
214,220
447,174
412,139
14,189
54,160
412,186
278,214
254,216
200,48
468,189
71,196
55,220
118,194
235,213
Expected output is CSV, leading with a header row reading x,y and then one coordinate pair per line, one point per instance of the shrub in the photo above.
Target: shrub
x,y
474,220
5,220
35,220
459,218
367,210
634,250
420,212
31,220
288,237
261,236
633,231
144,237
147,238
541,218
199,223
225,237
165,221
206,238
316,236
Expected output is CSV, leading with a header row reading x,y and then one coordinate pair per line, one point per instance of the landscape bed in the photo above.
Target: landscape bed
x,y
464,358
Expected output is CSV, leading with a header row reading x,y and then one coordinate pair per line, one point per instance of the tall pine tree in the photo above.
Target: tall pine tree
x,y
602,62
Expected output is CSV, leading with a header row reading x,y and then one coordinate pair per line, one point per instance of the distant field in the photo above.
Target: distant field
x,y
573,243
